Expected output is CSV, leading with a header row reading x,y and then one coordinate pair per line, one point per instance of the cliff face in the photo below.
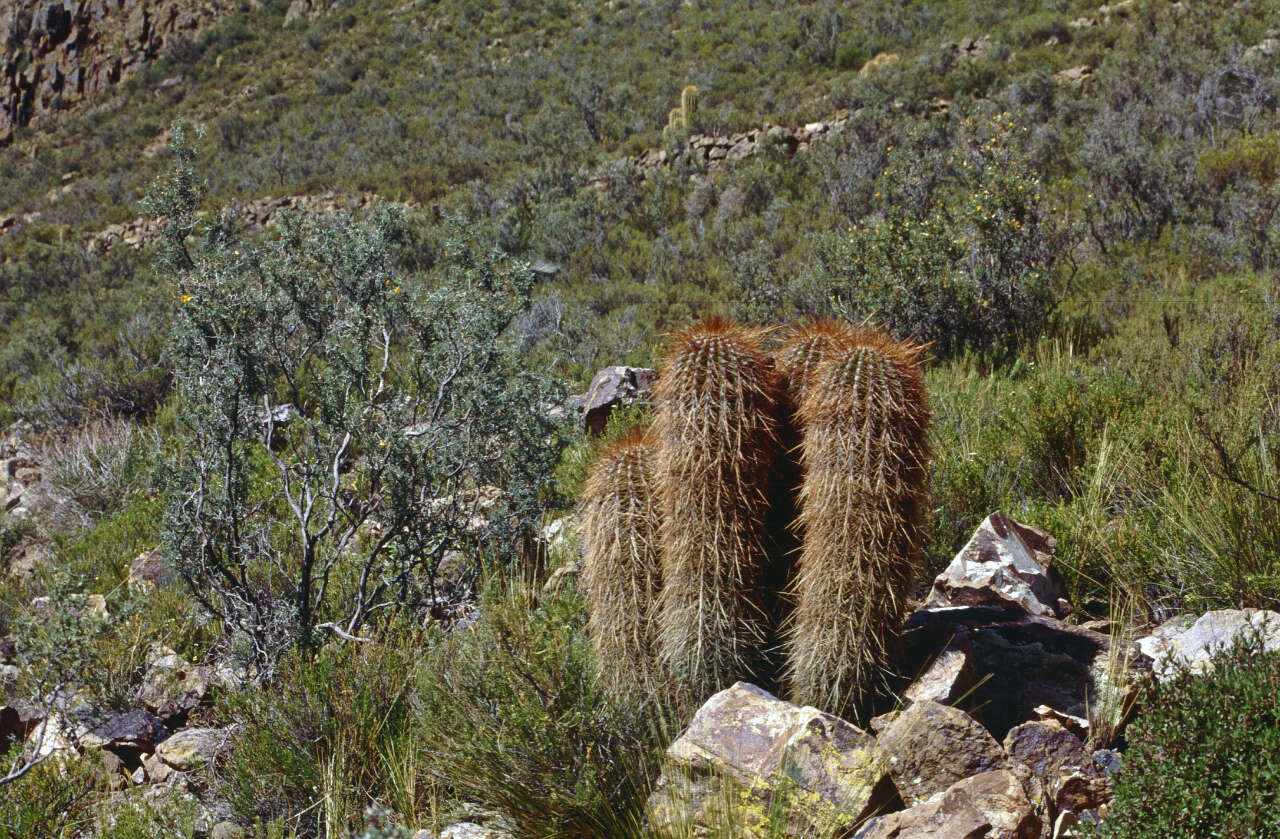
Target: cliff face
x,y
55,54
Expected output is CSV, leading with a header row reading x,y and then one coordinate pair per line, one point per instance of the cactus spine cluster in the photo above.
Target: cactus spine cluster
x,y
620,567
715,426
686,525
864,418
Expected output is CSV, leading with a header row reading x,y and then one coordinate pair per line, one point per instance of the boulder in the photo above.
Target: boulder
x,y
130,731
1025,661
992,805
610,388
750,750
1073,780
1174,646
172,686
1003,564
930,746
192,748
17,720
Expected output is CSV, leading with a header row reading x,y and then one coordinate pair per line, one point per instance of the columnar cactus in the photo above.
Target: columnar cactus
x,y
715,428
689,104
805,349
620,567
675,120
864,419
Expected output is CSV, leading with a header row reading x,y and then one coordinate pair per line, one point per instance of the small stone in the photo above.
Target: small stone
x,y
150,570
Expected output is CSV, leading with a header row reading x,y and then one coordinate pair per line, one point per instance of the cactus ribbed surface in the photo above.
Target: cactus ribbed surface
x,y
715,427
864,419
620,568
689,104
806,348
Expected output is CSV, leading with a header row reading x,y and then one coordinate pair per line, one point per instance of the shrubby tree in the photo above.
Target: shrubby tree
x,y
342,423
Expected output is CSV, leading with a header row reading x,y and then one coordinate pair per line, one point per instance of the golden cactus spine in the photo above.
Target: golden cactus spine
x,y
805,348
715,426
620,565
864,419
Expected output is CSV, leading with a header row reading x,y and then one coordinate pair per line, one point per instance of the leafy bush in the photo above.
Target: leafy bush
x,y
342,422
1204,755
960,251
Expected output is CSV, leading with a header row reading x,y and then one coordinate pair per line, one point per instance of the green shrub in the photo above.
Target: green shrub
x,y
960,249
1204,755
341,420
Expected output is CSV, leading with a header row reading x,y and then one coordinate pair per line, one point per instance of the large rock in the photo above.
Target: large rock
x,y
1074,782
172,686
992,805
192,748
128,731
1024,661
1175,646
930,746
611,388
1003,564
750,751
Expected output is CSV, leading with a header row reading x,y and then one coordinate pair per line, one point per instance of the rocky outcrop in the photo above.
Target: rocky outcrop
x,y
993,805
932,746
613,387
749,751
56,54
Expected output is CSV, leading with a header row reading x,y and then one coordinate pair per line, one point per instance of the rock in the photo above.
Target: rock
x,y
27,560
1073,780
610,388
150,570
17,720
1025,661
95,606
562,579
1073,75
135,731
192,748
823,774
1265,48
1079,726
930,746
950,678
157,771
992,805
172,686
226,830
1003,564
1173,648
471,830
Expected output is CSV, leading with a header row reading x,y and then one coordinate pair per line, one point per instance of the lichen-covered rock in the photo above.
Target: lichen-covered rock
x,y
749,752
930,746
192,748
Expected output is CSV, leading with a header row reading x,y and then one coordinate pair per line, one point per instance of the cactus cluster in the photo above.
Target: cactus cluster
x,y
685,521
681,118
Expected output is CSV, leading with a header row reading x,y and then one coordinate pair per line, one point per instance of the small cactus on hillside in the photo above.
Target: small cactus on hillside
x,y
675,120
864,418
620,567
715,427
689,104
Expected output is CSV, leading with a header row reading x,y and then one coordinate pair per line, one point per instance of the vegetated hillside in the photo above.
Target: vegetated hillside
x,y
1074,204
